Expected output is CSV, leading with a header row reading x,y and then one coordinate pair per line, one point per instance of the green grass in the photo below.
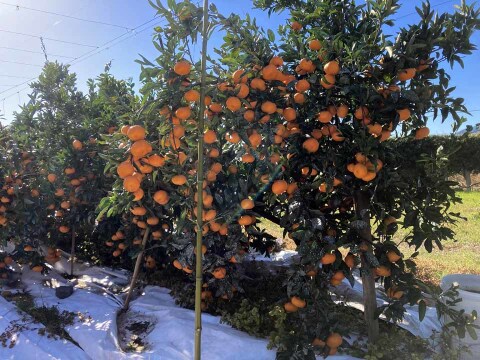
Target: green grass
x,y
460,256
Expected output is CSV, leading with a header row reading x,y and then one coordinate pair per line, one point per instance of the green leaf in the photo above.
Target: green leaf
x,y
422,309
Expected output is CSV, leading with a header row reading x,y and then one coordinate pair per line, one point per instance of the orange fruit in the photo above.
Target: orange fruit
x,y
328,81
296,26
342,111
422,133
138,210
183,113
125,169
361,113
64,229
124,129
298,302
277,61
232,137
77,144
131,183
290,308
393,256
153,220
136,132
155,160
249,115
216,168
289,114
255,139
258,84
179,179
318,342
182,68
270,72
65,205
161,197
140,148
242,91
382,270
178,131
332,68
192,95
299,98
291,188
360,171
324,116
406,74
177,264
311,145
219,273
37,268
248,158
328,258
315,45
239,76
209,137
51,178
69,171
403,114
269,107
302,86
279,187
247,204
233,103
246,220
334,340
350,260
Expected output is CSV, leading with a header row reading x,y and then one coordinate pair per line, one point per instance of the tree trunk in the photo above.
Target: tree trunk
x,y
72,251
467,174
137,269
368,278
200,174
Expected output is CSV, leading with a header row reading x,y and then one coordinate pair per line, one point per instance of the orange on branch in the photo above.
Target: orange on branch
x,y
136,132
182,68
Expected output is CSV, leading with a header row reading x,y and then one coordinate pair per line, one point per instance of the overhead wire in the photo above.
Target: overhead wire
x,y
46,38
432,6
90,53
20,63
35,52
65,15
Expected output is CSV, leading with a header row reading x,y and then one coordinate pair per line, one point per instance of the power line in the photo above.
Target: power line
x,y
20,63
65,16
88,54
14,76
35,52
45,38
432,7
107,45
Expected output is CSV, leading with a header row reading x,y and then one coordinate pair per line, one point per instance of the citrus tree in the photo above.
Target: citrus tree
x,y
60,129
299,130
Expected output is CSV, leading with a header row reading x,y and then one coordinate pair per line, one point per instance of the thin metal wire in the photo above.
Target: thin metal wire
x,y
65,16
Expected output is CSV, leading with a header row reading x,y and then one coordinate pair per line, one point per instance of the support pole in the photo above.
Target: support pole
x,y
136,270
201,123
72,251
368,277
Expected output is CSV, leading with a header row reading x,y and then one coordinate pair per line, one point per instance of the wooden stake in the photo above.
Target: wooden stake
x,y
201,123
72,251
136,271
368,276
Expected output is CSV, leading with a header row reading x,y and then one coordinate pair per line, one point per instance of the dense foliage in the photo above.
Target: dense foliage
x,y
299,126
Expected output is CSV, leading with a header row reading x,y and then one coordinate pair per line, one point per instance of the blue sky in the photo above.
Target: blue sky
x,y
127,15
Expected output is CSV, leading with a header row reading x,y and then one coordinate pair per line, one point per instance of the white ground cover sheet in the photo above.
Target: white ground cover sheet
x,y
172,336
